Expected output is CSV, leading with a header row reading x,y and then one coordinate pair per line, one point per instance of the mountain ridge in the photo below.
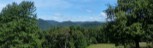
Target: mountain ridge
x,y
46,24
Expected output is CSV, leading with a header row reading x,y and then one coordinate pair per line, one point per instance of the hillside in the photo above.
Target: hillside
x,y
45,24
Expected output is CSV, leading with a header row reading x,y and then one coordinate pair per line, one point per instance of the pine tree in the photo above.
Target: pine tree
x,y
18,26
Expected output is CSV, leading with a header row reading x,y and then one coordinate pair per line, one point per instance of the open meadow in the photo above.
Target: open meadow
x,y
107,45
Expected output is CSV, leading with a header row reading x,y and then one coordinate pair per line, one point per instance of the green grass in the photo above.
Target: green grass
x,y
102,46
143,44
107,45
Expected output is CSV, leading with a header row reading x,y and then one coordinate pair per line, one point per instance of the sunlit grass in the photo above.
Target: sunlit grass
x,y
106,45
102,46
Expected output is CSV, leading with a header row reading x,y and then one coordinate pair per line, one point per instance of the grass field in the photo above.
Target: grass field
x,y
102,46
106,45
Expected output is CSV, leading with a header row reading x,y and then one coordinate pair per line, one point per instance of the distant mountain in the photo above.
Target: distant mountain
x,y
46,24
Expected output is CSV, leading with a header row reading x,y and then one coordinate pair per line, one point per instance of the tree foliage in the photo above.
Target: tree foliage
x,y
130,21
18,26
65,37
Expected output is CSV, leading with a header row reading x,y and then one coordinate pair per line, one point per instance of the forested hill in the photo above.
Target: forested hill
x,y
45,24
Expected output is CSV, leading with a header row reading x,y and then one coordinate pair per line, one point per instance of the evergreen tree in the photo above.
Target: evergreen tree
x,y
19,26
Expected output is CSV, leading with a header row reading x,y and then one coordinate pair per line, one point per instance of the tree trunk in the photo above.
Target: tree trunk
x,y
137,43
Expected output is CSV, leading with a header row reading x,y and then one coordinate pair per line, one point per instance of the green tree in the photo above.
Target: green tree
x,y
57,37
80,41
130,21
65,37
19,26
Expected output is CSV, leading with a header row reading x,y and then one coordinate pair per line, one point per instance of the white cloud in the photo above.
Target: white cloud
x,y
103,14
61,17
99,17
56,16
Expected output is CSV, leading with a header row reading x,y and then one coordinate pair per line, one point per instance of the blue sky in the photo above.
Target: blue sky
x,y
68,10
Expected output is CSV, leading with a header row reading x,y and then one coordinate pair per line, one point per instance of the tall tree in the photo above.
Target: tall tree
x,y
130,21
18,26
